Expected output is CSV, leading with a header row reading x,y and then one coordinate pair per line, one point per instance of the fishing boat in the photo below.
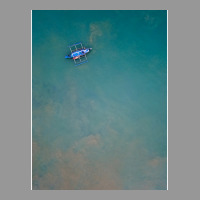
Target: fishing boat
x,y
78,53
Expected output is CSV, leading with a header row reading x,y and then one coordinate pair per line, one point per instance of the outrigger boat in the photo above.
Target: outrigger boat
x,y
78,53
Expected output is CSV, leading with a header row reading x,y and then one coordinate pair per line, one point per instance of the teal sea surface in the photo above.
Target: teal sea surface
x,y
101,125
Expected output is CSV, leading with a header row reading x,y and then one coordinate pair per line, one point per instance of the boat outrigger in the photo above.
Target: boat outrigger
x,y
78,53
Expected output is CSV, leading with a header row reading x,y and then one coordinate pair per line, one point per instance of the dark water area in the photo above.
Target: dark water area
x,y
101,125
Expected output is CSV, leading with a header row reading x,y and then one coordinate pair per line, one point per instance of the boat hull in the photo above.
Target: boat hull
x,y
79,53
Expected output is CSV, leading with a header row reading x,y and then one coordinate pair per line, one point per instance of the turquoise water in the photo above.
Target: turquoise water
x,y
101,125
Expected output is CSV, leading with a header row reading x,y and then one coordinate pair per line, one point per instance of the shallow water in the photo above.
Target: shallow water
x,y
103,124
